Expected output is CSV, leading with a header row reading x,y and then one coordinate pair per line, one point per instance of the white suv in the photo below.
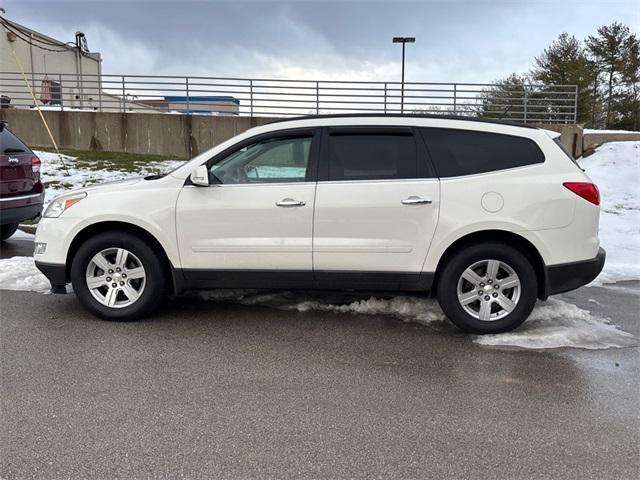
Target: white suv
x,y
487,215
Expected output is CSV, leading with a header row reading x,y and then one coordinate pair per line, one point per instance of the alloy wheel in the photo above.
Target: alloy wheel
x,y
489,290
115,277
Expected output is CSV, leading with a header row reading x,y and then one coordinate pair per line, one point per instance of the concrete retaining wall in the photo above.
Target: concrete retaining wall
x,y
592,140
180,136
570,135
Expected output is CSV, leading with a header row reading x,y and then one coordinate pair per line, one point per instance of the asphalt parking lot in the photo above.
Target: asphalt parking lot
x,y
207,390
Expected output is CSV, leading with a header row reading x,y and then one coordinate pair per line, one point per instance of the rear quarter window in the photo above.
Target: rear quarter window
x,y
465,152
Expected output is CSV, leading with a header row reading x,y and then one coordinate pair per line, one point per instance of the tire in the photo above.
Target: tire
x,y
7,230
473,302
136,294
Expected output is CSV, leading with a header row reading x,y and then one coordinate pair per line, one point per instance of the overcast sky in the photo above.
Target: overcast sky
x,y
457,40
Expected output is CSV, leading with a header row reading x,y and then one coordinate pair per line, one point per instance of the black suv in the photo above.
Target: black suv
x,y
21,191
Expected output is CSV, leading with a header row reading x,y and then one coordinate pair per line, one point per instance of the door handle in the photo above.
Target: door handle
x,y
415,201
290,202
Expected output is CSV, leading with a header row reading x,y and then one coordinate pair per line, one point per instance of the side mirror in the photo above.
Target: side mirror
x,y
200,176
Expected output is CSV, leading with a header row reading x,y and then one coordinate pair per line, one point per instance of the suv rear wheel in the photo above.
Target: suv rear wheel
x,y
487,288
7,230
117,276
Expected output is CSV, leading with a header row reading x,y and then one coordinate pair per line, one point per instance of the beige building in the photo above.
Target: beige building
x,y
63,75
69,76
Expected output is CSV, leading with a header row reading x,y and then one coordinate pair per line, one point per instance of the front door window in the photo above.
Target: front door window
x,y
274,160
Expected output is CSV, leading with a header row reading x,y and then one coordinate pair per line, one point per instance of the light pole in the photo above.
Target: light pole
x,y
403,41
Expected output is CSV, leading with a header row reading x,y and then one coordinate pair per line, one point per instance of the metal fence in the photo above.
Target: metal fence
x,y
530,103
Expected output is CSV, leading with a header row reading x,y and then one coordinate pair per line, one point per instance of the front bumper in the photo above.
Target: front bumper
x,y
56,274
569,276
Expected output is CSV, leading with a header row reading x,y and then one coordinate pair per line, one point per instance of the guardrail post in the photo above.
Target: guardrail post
x,y
186,84
100,92
525,104
317,98
124,96
385,97
251,97
61,92
455,96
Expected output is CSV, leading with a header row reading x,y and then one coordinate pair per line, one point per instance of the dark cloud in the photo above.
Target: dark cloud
x,y
458,40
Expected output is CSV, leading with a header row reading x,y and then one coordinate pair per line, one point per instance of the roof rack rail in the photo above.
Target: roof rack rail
x,y
404,115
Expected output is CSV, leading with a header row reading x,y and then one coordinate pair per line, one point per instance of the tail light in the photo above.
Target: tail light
x,y
586,190
35,164
35,168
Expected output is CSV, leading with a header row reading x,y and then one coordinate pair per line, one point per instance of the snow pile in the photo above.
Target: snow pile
x,y
615,168
20,273
552,324
591,131
555,324
58,180
406,308
21,235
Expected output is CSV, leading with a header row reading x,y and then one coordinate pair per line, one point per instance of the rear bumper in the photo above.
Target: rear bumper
x,y
569,276
19,214
56,274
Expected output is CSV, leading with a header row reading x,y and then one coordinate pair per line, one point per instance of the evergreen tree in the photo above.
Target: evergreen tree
x,y
505,99
630,103
607,50
565,62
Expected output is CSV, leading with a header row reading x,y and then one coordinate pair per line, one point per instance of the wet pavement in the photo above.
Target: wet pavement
x,y
208,389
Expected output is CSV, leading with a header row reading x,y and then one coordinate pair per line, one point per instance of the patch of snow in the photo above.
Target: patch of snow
x,y
552,324
615,168
408,309
58,108
74,176
20,273
588,131
555,324
21,235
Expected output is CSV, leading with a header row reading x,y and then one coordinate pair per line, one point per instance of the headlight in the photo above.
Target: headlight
x,y
59,205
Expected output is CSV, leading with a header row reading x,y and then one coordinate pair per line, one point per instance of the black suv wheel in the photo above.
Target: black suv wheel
x,y
7,230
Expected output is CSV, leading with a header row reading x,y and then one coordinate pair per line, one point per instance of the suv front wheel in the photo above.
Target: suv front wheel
x,y
487,288
117,276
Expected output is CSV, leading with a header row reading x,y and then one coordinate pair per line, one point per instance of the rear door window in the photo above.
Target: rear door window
x,y
370,154
465,152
